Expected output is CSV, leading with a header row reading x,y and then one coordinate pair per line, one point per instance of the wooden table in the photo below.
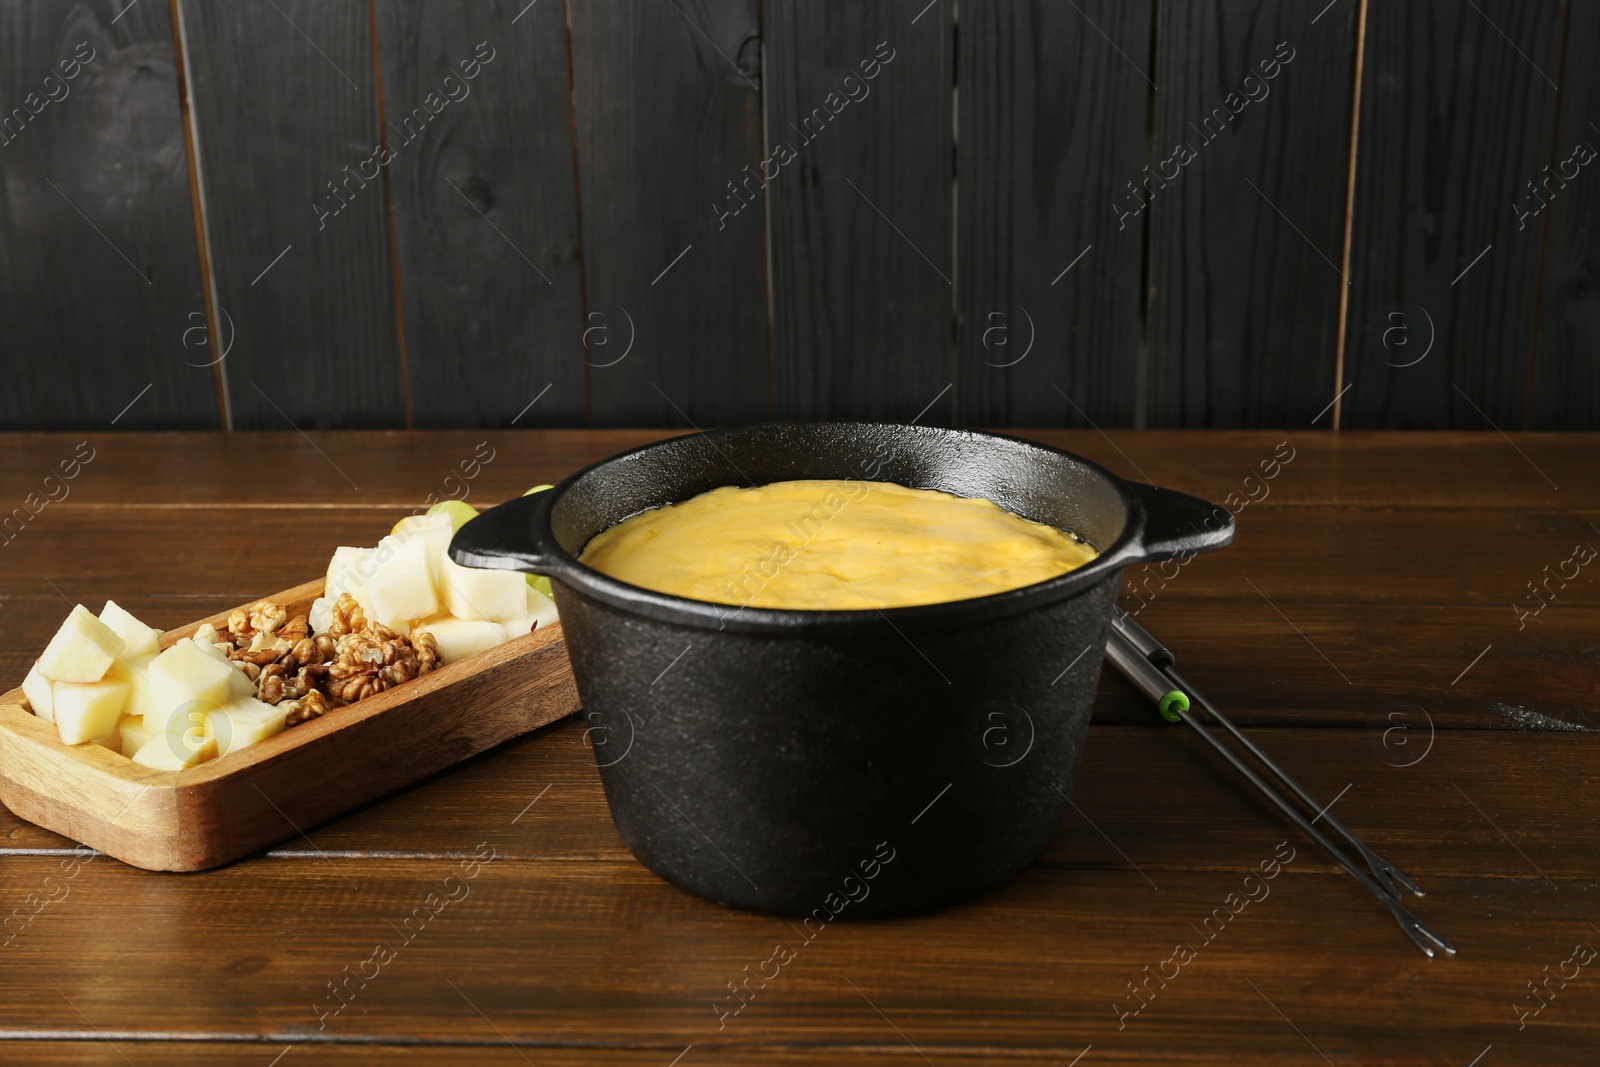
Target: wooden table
x,y
1364,625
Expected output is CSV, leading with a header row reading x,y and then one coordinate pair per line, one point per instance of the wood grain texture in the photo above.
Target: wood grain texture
x,y
1246,211
99,268
1054,118
485,211
1394,554
667,111
862,272
397,470
624,955
1400,798
1458,106
236,804
1415,559
1400,604
1564,388
283,102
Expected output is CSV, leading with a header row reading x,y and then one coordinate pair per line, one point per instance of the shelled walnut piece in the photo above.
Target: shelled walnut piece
x,y
315,674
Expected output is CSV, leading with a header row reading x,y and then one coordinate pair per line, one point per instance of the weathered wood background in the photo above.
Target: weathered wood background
x,y
258,214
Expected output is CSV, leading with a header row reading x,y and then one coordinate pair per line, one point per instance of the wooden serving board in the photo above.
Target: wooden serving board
x,y
221,810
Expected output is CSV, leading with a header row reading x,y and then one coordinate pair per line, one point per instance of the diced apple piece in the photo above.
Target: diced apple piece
x,y
184,679
459,512
133,733
470,593
36,687
113,740
460,638
125,668
137,638
175,751
320,615
141,698
240,685
243,721
81,651
435,530
348,572
87,710
401,588
541,612
542,609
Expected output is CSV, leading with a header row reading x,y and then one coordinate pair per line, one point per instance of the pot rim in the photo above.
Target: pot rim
x,y
533,515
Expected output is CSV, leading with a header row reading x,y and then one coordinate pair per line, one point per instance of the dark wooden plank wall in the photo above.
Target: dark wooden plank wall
x,y
485,217
100,291
284,102
862,270
1246,210
717,189
1458,112
1054,119
1564,381
667,114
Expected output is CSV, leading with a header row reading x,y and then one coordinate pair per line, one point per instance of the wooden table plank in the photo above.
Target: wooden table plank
x,y
1410,794
1392,561
556,953
399,470
1294,556
1395,611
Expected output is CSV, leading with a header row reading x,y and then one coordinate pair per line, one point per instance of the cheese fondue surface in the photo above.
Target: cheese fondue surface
x,y
832,545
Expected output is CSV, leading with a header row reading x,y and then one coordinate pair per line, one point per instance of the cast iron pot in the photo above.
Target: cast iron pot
x,y
851,763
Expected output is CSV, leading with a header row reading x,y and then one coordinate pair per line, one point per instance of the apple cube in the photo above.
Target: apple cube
x,y
133,734
175,751
243,721
137,638
135,670
240,685
126,667
320,615
460,638
87,710
470,593
348,572
113,740
141,698
185,680
81,651
401,588
541,609
434,530
541,612
36,687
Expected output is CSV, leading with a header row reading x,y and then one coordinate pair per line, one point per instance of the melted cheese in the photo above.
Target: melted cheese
x,y
832,545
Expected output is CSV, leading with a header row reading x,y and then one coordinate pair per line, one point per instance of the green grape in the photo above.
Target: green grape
x,y
460,512
540,583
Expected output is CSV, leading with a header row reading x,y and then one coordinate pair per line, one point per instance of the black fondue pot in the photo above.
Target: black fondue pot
x,y
840,763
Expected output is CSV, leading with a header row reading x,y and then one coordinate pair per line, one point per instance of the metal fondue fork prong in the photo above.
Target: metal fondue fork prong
x,y
1173,703
1162,659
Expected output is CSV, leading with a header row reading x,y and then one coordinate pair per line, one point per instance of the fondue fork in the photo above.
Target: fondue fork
x,y
1150,667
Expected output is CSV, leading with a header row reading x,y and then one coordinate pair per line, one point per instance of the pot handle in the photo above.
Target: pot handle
x,y
1177,524
506,537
